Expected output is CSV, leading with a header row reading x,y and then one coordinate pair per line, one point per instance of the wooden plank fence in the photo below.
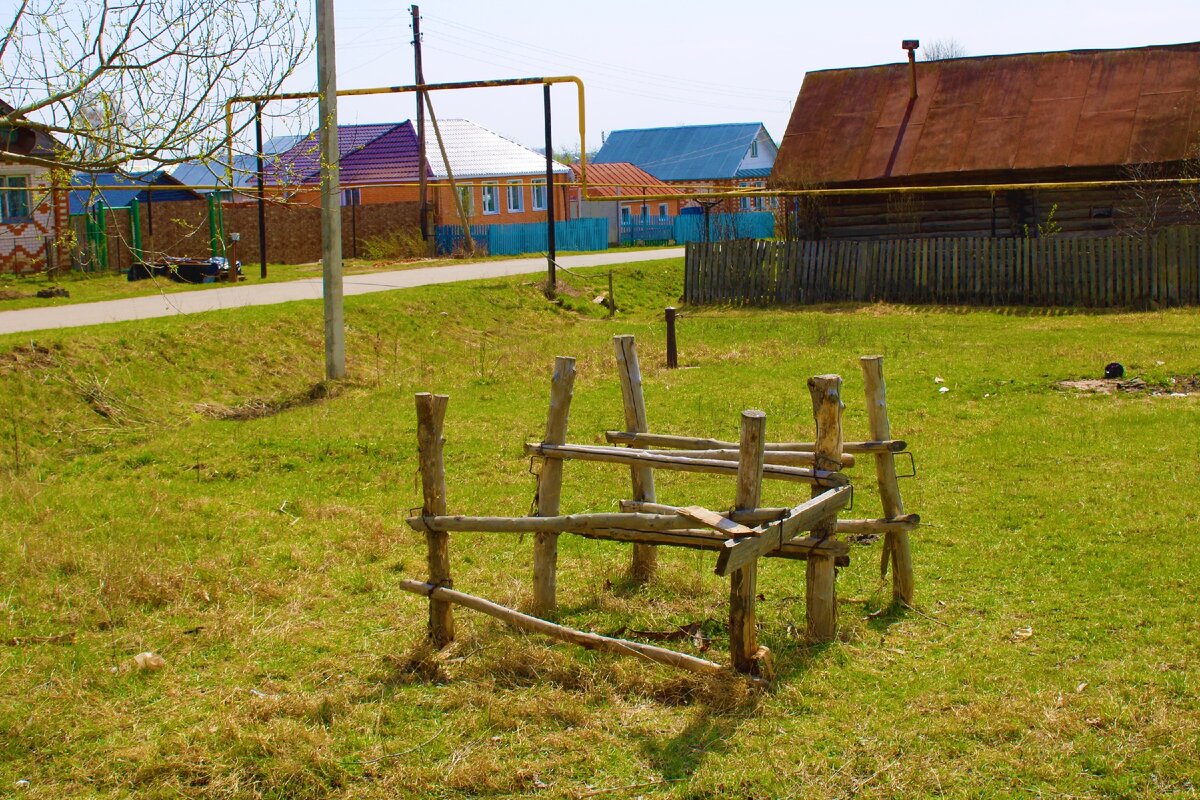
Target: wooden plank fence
x,y
1113,271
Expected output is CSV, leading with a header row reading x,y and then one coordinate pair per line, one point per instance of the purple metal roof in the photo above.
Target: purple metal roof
x,y
375,153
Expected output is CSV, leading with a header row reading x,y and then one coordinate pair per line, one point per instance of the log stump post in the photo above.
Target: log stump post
x,y
545,545
645,557
431,414
743,634
820,591
895,543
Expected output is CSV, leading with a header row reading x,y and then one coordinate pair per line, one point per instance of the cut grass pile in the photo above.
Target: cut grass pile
x,y
188,486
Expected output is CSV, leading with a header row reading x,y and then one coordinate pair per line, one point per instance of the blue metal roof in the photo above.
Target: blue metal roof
x,y
754,172
108,188
685,153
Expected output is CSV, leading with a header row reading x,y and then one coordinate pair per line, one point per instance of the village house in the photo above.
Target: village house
x,y
617,192
33,212
1062,117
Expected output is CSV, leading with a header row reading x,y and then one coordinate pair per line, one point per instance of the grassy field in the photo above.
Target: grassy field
x,y
220,506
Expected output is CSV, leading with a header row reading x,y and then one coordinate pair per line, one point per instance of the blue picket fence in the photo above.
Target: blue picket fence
x,y
692,228
519,238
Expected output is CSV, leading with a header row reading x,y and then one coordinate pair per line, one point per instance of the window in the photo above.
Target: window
x,y
663,210
351,197
15,203
491,198
467,198
744,203
754,149
516,197
626,216
539,194
758,201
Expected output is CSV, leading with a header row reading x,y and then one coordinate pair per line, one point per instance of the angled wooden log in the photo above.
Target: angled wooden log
x,y
715,521
545,545
789,458
740,551
743,582
820,590
681,463
895,545
645,558
592,641
701,443
431,414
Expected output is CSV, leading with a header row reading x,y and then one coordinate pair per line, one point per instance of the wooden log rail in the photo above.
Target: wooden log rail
x,y
680,463
592,641
640,528
756,516
672,441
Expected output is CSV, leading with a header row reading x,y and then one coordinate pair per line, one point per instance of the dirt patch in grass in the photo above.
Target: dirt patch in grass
x,y
1177,386
12,294
28,357
258,408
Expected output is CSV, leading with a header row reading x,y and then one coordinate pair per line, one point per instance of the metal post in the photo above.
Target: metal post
x,y
672,355
331,211
214,247
262,204
419,76
135,229
551,280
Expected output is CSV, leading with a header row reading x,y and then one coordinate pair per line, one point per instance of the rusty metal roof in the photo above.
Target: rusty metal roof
x,y
622,179
1035,111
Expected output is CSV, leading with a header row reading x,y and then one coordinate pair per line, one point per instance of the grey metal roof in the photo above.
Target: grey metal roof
x,y
476,152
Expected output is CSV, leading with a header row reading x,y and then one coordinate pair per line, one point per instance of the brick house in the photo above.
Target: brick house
x,y
33,212
616,192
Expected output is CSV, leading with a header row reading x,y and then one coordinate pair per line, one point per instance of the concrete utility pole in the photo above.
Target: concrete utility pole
x,y
331,210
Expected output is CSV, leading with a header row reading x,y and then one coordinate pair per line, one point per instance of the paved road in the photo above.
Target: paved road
x,y
249,294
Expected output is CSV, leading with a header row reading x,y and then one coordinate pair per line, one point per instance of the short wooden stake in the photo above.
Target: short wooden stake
x,y
545,545
645,557
820,591
895,543
431,414
743,582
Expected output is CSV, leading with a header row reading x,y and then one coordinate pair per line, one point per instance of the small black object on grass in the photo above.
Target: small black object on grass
x,y
1114,370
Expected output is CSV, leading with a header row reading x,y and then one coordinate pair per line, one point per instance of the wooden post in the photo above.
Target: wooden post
x,y
645,557
743,636
820,592
895,543
431,413
545,545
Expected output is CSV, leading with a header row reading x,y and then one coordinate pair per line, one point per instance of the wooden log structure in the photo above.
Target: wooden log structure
x,y
895,545
787,458
545,545
592,641
680,463
820,591
667,440
431,414
740,551
645,557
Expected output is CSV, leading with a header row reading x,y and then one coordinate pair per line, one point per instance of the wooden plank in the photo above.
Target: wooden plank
x,y
431,416
715,521
703,443
591,641
644,559
545,545
740,551
760,516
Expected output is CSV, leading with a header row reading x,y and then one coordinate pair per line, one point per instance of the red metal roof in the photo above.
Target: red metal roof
x,y
1035,111
622,179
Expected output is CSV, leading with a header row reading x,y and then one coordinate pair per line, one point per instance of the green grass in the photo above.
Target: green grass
x,y
260,557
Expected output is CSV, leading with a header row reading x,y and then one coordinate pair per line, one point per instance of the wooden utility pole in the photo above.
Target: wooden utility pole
x,y
331,211
419,76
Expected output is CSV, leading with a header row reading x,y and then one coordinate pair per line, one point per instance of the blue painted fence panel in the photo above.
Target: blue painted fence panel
x,y
723,227
647,229
520,238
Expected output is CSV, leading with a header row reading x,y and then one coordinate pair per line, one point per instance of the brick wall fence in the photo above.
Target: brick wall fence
x,y
293,231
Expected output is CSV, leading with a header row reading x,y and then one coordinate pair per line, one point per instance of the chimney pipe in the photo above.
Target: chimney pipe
x,y
911,46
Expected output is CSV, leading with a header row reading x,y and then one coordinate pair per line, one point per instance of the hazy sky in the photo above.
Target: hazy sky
x,y
650,63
